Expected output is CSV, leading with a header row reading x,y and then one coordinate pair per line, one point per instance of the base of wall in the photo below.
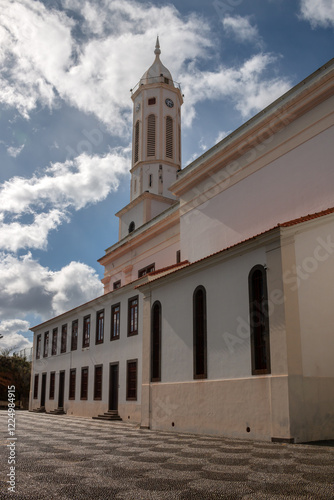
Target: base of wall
x,y
282,440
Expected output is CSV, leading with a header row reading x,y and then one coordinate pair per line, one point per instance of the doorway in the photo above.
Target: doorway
x,y
43,389
113,387
61,389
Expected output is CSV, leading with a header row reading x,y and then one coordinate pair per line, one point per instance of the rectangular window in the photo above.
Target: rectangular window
x,y
74,337
151,101
52,385
99,327
115,321
71,393
46,344
86,331
36,387
63,338
84,383
133,316
178,256
145,270
54,341
117,284
38,346
131,380
98,382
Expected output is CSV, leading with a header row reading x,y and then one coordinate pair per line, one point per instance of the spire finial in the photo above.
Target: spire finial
x,y
157,47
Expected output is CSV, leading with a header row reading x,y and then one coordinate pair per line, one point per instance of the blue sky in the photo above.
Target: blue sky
x,y
67,67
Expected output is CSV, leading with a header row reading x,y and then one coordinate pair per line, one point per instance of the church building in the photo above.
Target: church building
x,y
217,315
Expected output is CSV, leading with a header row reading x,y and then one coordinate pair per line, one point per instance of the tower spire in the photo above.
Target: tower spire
x,y
157,47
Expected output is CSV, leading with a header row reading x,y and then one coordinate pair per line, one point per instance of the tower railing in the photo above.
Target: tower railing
x,y
155,79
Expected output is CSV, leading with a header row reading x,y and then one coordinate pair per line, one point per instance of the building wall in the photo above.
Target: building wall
x,y
311,384
121,350
160,249
231,401
282,178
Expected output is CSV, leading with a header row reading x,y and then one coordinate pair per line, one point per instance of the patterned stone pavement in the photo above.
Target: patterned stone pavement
x,y
61,457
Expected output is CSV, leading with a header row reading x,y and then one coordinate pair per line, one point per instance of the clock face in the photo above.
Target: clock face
x,y
169,103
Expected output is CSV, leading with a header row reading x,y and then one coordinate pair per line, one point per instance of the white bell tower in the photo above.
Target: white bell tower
x,y
156,145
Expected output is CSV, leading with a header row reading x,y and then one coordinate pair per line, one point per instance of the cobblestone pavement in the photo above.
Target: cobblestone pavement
x,y
61,457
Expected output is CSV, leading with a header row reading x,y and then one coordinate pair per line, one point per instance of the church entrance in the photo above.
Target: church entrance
x,y
113,387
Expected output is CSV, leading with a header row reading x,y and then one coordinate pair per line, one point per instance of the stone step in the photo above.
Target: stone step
x,y
57,411
108,416
41,409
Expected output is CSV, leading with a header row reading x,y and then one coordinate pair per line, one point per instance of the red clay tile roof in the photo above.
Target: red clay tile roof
x,y
306,218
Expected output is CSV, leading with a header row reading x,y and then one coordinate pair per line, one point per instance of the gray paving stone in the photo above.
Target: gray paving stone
x,y
73,458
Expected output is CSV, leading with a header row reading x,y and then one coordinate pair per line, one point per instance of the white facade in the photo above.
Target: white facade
x,y
232,263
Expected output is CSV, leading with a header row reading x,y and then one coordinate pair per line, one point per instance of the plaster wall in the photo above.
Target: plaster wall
x,y
312,390
159,249
292,175
116,351
136,215
230,400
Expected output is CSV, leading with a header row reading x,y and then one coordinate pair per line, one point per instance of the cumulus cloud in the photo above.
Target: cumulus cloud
x,y
94,72
241,28
72,184
12,339
28,287
320,13
72,285
245,85
42,59
86,179
15,236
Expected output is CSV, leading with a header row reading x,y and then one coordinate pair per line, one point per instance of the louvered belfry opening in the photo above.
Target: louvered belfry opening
x,y
151,135
169,137
137,142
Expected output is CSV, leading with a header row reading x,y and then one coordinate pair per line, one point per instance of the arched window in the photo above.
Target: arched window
x,y
151,135
132,227
259,320
136,149
156,342
199,326
169,137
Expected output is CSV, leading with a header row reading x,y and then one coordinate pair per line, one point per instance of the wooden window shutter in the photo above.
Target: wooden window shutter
x,y
151,135
169,137
137,142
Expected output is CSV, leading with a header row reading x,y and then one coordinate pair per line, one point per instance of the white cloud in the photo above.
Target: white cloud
x,y
241,28
15,235
318,12
72,285
221,135
72,184
14,152
42,59
95,72
246,86
28,287
12,338
86,179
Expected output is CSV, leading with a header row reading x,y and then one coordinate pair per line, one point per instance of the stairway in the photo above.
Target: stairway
x,y
41,409
57,411
109,415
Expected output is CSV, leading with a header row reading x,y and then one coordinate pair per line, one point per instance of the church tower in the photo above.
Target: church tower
x,y
156,145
